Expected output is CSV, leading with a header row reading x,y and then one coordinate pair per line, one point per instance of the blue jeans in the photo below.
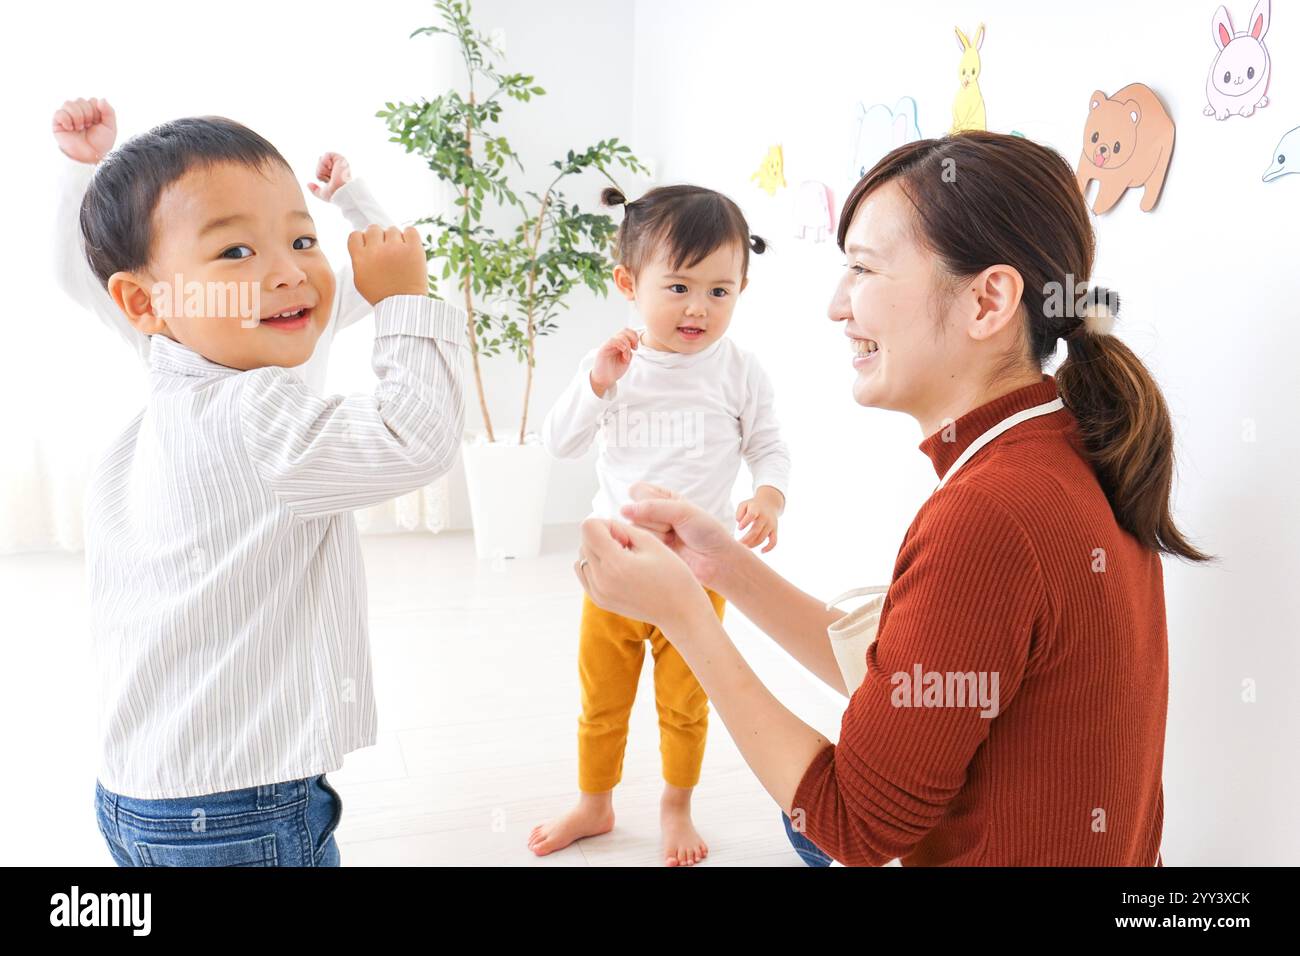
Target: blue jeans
x,y
276,824
808,851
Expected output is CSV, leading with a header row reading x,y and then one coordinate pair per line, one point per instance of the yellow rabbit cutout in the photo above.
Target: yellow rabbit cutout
x,y
968,106
771,172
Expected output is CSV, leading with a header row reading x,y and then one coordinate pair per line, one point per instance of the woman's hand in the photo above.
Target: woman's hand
x,y
629,571
691,533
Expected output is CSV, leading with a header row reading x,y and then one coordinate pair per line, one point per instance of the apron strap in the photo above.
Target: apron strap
x,y
857,592
1024,415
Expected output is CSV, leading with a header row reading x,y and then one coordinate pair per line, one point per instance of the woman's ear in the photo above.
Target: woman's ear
x,y
998,291
624,282
134,296
744,282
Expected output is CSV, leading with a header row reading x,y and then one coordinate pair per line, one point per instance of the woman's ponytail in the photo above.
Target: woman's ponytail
x,y
1125,426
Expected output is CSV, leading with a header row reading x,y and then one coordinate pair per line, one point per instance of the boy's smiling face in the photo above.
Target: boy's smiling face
x,y
244,247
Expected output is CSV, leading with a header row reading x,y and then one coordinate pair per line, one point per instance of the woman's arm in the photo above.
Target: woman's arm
x,y
777,745
971,602
795,620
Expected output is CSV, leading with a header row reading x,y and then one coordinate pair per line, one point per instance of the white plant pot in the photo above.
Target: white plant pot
x,y
507,496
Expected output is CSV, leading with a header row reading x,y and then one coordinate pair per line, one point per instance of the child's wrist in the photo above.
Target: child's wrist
x,y
771,495
384,297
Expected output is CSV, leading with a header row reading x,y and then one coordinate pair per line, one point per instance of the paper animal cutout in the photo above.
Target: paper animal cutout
x,y
770,174
812,211
1238,81
1127,142
1286,157
968,105
879,129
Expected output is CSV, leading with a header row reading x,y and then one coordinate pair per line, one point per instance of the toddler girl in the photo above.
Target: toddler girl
x,y
676,403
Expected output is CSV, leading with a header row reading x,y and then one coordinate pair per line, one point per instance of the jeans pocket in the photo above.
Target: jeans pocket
x,y
338,804
257,851
327,832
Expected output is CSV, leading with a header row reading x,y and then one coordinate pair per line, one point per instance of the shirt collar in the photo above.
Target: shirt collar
x,y
674,359
171,357
977,421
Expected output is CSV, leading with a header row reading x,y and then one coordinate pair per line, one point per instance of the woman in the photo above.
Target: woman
x,y
1013,711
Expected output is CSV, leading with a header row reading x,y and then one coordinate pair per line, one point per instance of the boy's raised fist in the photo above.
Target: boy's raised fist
x,y
85,129
388,262
333,173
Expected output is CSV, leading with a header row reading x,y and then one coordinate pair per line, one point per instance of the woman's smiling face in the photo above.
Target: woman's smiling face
x,y
922,342
886,299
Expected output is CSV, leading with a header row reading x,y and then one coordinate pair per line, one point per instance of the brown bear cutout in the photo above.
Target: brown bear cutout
x,y
1127,143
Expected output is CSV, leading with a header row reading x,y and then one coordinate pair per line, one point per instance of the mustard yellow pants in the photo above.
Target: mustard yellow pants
x,y
611,650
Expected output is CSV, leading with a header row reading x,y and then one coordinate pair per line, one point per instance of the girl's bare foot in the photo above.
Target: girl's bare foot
x,y
594,814
683,845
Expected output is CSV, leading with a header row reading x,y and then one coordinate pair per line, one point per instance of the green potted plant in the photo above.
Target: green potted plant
x,y
512,286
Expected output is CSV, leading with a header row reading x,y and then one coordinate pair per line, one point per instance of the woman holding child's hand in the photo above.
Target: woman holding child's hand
x,y
629,570
1010,687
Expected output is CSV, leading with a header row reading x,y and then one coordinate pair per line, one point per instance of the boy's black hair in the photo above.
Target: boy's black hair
x,y
117,211
694,221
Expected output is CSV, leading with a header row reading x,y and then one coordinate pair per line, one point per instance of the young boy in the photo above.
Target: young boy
x,y
227,590
85,130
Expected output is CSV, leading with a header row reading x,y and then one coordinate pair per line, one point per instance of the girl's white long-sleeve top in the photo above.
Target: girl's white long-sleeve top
x,y
74,276
681,421
226,584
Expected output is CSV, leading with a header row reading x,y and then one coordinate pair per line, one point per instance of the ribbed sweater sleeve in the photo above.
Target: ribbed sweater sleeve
x,y
967,600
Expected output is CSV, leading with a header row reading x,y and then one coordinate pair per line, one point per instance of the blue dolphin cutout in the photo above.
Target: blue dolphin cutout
x,y
1286,158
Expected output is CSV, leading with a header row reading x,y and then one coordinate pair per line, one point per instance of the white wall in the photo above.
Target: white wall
x,y
1209,302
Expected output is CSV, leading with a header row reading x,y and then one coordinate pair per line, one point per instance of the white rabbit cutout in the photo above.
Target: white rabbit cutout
x,y
1238,80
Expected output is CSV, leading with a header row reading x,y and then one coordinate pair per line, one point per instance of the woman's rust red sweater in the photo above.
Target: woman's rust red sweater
x,y
1014,707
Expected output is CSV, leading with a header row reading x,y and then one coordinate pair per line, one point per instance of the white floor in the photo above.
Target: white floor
x,y
476,674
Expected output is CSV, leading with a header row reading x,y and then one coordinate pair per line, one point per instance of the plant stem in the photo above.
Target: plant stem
x,y
532,307
469,286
